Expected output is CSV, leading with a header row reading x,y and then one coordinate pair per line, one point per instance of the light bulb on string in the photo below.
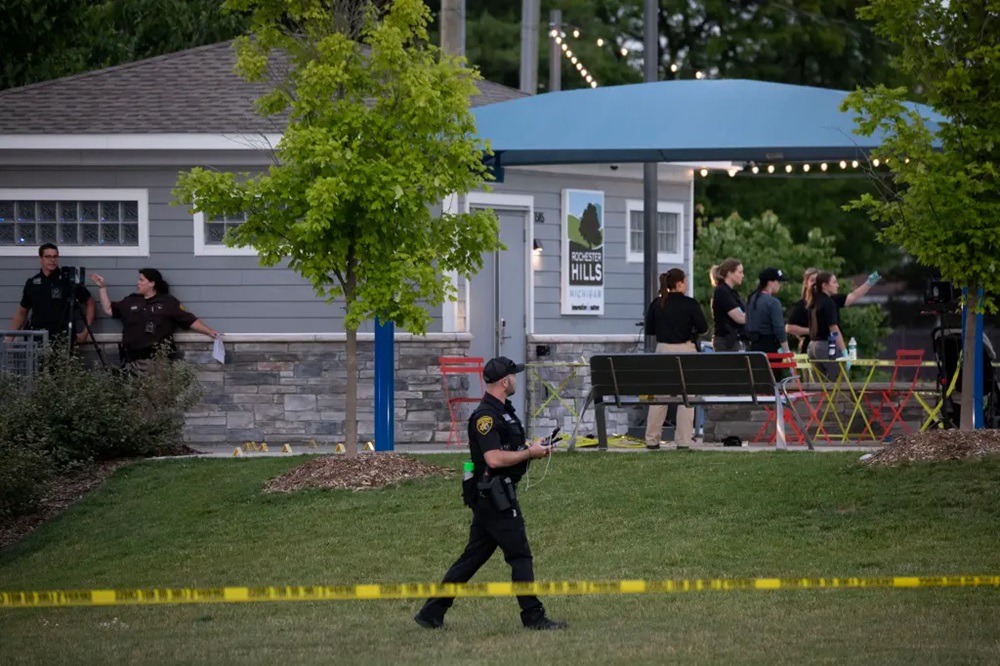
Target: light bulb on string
x,y
843,164
600,42
822,167
733,171
576,34
559,40
788,168
579,68
854,164
593,84
624,51
564,47
806,167
906,161
875,162
573,59
770,168
673,68
583,73
699,75
569,54
755,169
703,172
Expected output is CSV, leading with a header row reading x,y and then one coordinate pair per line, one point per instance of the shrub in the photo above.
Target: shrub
x,y
73,415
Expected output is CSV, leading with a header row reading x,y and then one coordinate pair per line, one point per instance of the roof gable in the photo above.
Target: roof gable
x,y
189,92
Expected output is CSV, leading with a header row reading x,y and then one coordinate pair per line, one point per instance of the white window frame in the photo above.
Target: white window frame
x,y
204,249
141,196
635,256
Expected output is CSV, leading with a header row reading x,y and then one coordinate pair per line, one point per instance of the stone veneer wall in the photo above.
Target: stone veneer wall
x,y
568,360
290,389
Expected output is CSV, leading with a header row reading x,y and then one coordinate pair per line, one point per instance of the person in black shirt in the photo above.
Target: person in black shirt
x,y
798,315
676,320
728,309
500,456
824,317
150,317
46,297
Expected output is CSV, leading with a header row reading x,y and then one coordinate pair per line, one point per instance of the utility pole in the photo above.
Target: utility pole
x,y
453,27
651,62
555,52
530,15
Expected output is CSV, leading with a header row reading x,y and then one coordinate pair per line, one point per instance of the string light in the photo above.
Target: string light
x,y
576,34
699,75
875,162
770,168
624,51
574,60
788,168
854,164
733,171
822,167
806,167
843,164
704,172
600,42
755,169
674,68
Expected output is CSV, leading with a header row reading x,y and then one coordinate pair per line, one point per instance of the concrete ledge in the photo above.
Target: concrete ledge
x,y
111,338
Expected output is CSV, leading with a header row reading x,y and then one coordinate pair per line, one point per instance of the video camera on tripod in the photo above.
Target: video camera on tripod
x,y
72,275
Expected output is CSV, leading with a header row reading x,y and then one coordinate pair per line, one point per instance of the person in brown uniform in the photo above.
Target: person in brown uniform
x,y
150,317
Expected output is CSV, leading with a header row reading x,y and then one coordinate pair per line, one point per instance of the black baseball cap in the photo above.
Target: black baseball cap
x,y
769,274
499,367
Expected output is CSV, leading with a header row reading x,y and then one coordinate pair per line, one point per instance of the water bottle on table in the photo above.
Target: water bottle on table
x,y
831,349
852,350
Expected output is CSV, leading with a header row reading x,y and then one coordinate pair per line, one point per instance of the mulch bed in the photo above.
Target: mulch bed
x,y
937,445
361,472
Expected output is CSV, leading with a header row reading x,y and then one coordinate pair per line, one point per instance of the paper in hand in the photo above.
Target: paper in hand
x,y
219,351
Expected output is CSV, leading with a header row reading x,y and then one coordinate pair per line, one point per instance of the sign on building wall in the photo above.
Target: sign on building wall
x,y
583,252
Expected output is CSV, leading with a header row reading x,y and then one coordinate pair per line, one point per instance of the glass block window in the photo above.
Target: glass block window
x,y
80,223
669,232
216,228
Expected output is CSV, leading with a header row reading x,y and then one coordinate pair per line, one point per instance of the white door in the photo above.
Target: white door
x,y
498,312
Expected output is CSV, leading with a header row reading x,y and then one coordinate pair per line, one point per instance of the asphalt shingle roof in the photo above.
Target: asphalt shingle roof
x,y
192,91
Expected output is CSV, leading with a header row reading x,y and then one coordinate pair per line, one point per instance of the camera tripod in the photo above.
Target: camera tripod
x,y
73,312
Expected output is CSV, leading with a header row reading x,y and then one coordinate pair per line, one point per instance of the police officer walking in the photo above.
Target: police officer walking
x,y
765,323
149,317
500,458
46,297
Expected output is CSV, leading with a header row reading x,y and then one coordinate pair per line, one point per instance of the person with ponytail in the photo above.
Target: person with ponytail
x,y
728,309
676,320
150,317
798,316
824,320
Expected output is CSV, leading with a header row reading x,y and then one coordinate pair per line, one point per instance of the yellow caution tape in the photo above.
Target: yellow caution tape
x,y
154,596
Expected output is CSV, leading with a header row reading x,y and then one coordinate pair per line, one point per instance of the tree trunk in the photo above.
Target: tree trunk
x,y
968,363
351,409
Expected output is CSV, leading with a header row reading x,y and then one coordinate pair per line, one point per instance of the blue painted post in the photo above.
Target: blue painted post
x,y
384,385
977,393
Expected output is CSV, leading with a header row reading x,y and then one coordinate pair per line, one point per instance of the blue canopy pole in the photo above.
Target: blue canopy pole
x,y
977,393
384,385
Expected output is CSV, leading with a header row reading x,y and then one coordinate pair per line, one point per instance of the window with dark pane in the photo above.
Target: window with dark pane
x,y
216,228
666,226
83,223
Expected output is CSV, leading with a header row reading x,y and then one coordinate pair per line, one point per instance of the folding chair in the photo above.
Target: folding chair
x,y
779,362
460,365
905,358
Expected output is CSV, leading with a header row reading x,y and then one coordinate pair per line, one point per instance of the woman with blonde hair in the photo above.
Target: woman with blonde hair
x,y
676,320
728,309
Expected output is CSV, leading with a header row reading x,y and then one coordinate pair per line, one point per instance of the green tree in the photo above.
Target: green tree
x,y
764,242
590,226
942,204
379,130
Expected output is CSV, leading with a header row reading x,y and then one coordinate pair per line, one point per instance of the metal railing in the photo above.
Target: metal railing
x,y
20,352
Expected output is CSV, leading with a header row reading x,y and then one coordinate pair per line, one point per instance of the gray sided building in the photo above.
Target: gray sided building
x,y
89,161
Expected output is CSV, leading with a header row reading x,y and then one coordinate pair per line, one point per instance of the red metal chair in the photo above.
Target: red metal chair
x,y
785,361
905,358
460,365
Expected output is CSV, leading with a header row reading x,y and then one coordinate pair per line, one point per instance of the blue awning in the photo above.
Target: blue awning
x,y
676,121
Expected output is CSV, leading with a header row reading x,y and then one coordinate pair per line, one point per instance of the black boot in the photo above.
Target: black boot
x,y
428,622
544,624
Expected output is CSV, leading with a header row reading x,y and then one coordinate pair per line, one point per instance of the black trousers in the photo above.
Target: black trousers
x,y
492,529
766,343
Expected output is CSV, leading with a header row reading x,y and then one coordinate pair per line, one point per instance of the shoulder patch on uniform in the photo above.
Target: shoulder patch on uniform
x,y
484,424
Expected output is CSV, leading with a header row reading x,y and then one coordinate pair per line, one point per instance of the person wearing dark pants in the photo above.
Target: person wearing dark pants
x,y
728,309
500,458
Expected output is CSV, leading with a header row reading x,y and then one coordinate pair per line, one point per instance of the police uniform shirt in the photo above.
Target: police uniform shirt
x,y
826,311
494,426
724,300
677,321
149,321
46,297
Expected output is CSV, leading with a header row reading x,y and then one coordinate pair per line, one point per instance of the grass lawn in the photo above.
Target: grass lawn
x,y
204,522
